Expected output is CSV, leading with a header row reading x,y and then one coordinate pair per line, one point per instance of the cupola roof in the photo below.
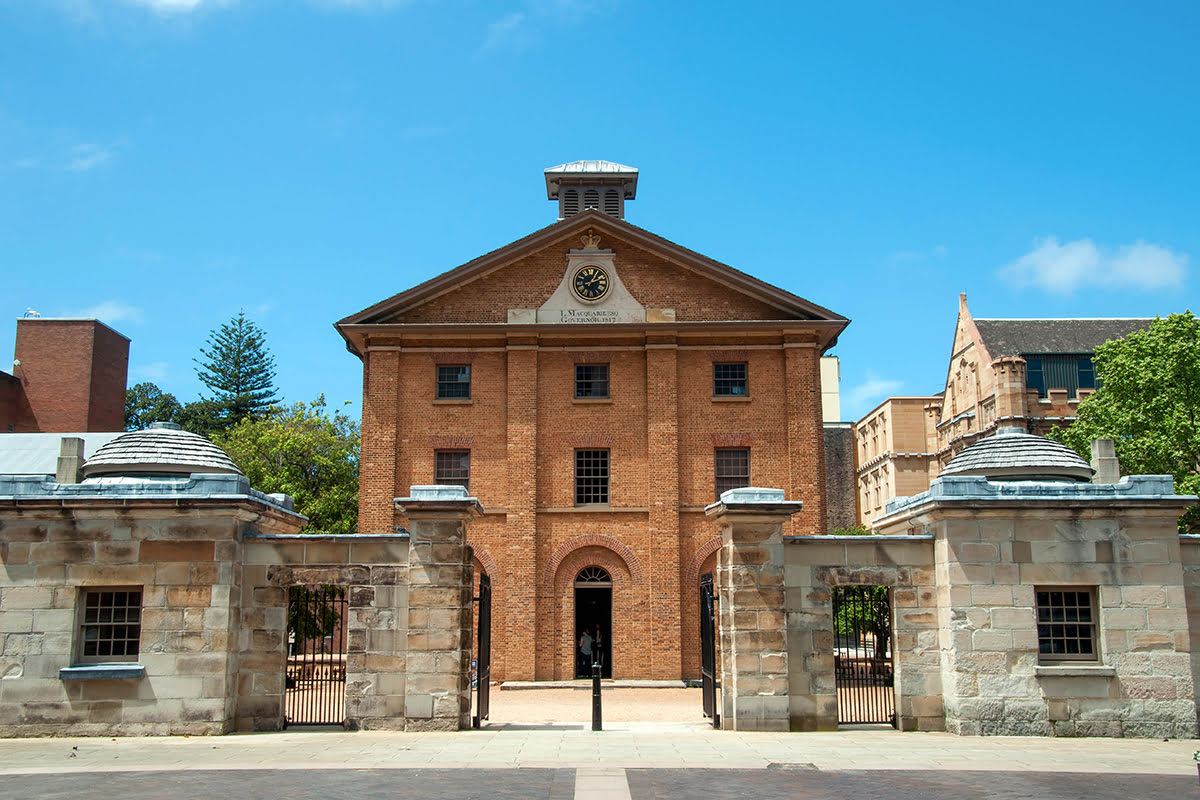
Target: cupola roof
x,y
162,448
1014,455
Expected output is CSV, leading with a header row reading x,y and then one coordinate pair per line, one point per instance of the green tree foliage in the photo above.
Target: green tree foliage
x,y
307,453
854,530
146,403
205,417
239,369
1148,404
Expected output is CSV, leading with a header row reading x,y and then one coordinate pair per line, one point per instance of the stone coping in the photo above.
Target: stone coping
x,y
101,672
961,489
329,537
825,538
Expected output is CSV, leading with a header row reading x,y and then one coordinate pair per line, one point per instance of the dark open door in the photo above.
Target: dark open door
x,y
709,680
483,658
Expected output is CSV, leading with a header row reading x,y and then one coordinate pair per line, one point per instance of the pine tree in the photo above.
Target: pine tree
x,y
239,369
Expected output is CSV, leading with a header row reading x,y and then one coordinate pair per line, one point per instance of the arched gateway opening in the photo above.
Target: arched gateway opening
x,y
593,621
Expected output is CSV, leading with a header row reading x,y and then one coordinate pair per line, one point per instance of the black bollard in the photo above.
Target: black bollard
x,y
596,720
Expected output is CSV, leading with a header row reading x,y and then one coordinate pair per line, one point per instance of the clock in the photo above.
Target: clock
x,y
590,282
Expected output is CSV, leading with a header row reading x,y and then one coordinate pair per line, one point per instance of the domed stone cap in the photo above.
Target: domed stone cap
x,y
163,448
1014,455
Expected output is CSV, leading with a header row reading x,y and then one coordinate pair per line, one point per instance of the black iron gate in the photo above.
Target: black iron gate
x,y
862,657
483,658
709,680
315,678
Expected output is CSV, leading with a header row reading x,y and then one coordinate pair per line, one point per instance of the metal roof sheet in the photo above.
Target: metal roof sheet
x,y
37,453
596,166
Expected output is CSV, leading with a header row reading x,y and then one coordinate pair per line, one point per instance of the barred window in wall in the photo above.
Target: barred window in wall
x,y
732,468
591,380
1066,624
454,382
730,380
110,624
452,468
591,477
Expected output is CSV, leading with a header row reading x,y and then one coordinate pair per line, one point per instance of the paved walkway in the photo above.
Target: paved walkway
x,y
565,759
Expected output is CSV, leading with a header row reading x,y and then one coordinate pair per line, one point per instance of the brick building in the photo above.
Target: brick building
x,y
68,376
595,386
1031,373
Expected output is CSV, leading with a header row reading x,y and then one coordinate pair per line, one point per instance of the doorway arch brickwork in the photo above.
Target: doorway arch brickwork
x,y
625,623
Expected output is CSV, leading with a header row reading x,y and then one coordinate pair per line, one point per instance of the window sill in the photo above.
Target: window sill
x,y
592,400
101,672
452,401
1074,671
731,398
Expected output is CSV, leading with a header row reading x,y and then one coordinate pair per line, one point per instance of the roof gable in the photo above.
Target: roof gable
x,y
785,305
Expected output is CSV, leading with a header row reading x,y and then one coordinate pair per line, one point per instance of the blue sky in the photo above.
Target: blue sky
x,y
167,163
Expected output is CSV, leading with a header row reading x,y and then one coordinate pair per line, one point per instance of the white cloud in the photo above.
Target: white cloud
x,y
149,372
509,31
86,157
178,6
869,393
1063,268
110,311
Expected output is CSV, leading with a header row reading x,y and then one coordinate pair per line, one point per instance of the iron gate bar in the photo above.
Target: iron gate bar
x,y
483,659
315,672
864,675
709,681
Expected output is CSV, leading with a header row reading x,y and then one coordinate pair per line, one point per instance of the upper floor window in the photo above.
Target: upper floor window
x,y
729,380
110,627
732,468
591,477
452,468
1071,372
591,380
454,382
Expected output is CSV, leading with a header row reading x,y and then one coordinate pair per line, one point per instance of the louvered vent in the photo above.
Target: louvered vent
x,y
612,203
591,199
570,203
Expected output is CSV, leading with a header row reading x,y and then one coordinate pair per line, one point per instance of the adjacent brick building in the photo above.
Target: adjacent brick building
x,y
68,376
1031,373
595,386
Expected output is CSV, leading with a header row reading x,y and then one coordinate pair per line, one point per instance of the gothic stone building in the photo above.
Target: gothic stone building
x,y
1031,373
595,386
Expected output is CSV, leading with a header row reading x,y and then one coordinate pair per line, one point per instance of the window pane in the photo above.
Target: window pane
x,y
591,476
591,380
732,469
454,381
729,379
109,626
1066,630
452,468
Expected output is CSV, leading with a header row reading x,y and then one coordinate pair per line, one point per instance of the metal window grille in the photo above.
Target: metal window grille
x,y
111,626
732,468
591,380
591,477
452,468
1066,625
454,381
729,379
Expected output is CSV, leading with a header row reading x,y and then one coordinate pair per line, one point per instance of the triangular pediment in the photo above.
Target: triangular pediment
x,y
668,281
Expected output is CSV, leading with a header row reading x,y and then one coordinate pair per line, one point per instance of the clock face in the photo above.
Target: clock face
x,y
591,282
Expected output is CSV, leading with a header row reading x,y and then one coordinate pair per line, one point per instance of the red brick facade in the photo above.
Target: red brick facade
x,y
660,425
70,378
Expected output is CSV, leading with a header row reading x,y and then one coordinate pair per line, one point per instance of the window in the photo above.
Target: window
x,y
454,382
1066,625
591,380
729,380
452,468
591,477
732,468
1087,373
110,625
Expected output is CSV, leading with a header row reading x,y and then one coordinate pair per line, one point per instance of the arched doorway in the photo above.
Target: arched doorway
x,y
593,614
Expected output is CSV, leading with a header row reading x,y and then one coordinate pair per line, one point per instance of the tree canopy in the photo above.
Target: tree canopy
x,y
146,403
307,453
1148,403
239,369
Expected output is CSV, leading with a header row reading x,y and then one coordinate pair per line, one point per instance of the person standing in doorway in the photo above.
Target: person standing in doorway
x,y
598,646
585,653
